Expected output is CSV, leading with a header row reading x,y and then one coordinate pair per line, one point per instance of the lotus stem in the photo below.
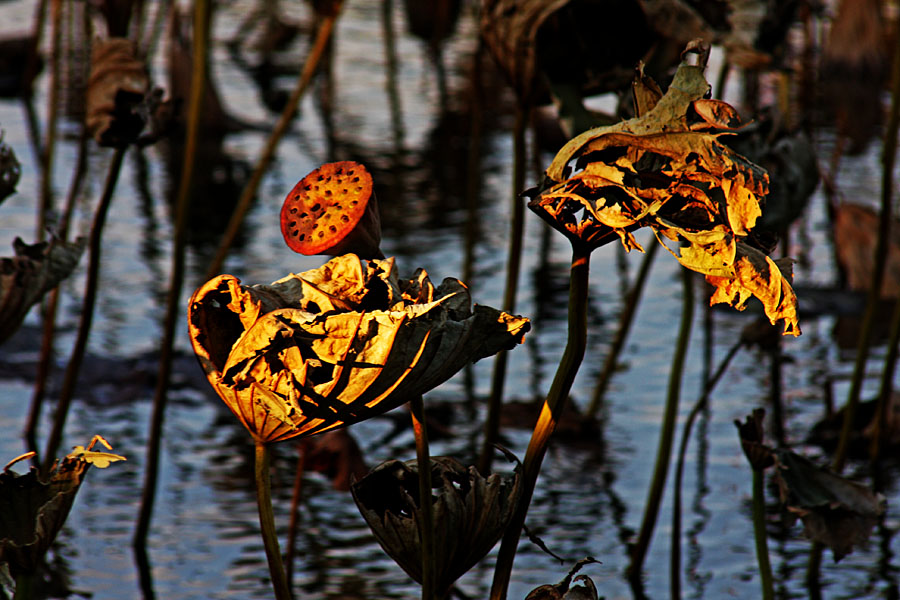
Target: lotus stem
x,y
549,417
513,267
625,321
699,406
759,533
267,523
879,432
426,527
25,586
323,35
87,310
888,156
173,300
667,434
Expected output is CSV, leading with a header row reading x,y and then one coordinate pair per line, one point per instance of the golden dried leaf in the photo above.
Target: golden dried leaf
x,y
755,274
338,344
667,169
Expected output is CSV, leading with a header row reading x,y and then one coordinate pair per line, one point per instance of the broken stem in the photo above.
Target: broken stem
x,y
267,522
550,414
426,527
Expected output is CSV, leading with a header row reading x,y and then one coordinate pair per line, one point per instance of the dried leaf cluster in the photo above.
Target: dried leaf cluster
x,y
668,169
336,345
10,170
117,86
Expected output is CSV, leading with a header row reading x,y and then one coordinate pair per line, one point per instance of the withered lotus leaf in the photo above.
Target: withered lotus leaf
x,y
33,508
33,271
336,345
118,83
333,211
835,511
668,170
473,512
584,588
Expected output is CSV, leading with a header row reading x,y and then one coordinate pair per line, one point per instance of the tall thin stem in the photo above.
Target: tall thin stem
x,y
513,267
759,533
87,311
309,69
549,417
267,522
667,433
173,302
426,527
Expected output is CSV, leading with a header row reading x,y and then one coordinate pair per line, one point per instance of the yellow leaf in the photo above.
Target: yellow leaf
x,y
101,460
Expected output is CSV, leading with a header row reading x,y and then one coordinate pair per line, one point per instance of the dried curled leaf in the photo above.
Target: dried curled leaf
x,y
473,511
32,272
338,344
835,511
117,86
668,170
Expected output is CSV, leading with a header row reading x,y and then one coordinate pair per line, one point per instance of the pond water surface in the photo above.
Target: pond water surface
x,y
204,541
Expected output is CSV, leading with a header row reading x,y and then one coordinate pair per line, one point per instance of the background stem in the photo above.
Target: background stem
x,y
759,533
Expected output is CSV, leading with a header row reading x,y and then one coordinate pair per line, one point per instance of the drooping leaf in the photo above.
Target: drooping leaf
x,y
336,345
333,211
473,511
758,275
32,272
836,512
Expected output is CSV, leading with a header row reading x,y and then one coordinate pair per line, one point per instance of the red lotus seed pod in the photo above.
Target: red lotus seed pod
x,y
333,211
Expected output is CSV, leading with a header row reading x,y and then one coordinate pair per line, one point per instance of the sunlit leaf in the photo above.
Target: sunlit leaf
x,y
755,274
31,273
101,460
338,344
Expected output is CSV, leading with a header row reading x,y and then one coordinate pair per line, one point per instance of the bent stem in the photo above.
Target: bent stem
x,y
667,435
550,413
759,533
426,527
267,523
